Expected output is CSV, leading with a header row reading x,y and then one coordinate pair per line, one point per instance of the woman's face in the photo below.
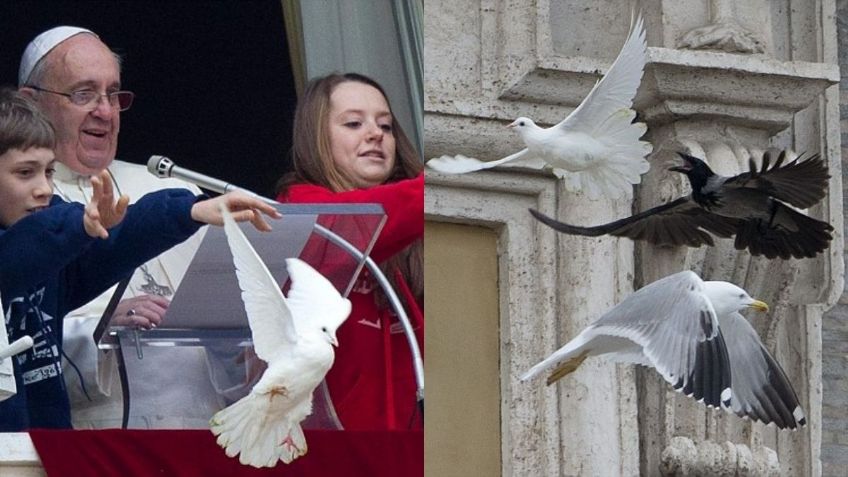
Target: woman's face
x,y
361,138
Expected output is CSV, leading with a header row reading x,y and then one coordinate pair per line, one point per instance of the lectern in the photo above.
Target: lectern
x,y
207,310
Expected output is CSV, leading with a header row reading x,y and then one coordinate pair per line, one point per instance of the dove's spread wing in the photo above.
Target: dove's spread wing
x,y
679,222
675,324
268,314
460,164
802,183
761,390
616,90
311,294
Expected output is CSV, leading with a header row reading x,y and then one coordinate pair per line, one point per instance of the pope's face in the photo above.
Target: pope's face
x,y
86,136
362,141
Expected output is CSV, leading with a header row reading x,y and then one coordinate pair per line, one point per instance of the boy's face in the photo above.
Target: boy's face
x,y
26,183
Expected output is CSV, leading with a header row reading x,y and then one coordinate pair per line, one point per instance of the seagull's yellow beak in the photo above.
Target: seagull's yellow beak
x,y
759,305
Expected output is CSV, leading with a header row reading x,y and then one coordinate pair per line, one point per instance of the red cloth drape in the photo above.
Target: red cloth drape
x,y
194,453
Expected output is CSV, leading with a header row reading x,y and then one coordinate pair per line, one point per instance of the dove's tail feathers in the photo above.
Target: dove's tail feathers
x,y
601,181
624,164
571,355
623,136
623,139
293,444
460,164
244,430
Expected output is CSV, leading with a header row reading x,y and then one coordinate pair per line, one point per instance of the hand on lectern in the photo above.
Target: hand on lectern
x,y
143,311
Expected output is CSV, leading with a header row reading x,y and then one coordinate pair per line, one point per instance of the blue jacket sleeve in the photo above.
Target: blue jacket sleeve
x,y
41,244
155,223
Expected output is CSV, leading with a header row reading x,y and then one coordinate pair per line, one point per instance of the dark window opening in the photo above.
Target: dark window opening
x,y
213,80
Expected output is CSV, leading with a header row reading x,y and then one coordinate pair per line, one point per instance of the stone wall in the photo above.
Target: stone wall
x,y
768,85
835,323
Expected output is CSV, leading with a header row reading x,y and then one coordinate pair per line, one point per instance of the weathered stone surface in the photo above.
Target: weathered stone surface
x,y
538,59
834,452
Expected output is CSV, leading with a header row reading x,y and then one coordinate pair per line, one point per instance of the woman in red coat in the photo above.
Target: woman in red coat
x,y
348,148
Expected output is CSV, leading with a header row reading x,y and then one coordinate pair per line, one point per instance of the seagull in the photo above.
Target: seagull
x,y
596,148
295,335
754,206
691,332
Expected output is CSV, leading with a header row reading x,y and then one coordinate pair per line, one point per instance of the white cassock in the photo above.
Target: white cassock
x,y
178,391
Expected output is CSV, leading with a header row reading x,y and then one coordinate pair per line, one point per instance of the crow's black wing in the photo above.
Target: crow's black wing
x,y
802,183
680,222
788,234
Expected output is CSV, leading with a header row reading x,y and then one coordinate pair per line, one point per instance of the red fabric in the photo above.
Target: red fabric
x,y
403,202
416,315
194,453
363,388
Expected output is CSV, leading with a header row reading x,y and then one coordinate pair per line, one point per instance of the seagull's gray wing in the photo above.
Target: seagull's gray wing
x,y
616,90
675,324
760,388
680,222
802,183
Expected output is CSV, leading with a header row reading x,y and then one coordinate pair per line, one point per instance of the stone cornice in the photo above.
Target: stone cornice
x,y
749,90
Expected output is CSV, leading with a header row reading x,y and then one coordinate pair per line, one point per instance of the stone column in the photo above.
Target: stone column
x,y
721,86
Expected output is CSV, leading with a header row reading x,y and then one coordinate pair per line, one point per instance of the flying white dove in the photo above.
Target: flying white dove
x,y
295,335
691,332
596,148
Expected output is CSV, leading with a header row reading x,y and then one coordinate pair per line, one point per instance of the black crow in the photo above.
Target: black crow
x,y
752,206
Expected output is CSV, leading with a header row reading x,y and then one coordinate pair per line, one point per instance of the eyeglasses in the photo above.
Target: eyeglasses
x,y
86,98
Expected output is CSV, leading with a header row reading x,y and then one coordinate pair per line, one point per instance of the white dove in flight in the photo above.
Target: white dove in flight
x,y
596,148
295,335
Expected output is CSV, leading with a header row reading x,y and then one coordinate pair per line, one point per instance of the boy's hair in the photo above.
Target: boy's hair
x,y
22,125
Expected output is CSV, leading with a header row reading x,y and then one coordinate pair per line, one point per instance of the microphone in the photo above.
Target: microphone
x,y
162,167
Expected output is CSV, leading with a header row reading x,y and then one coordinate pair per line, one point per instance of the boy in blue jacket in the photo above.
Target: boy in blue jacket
x,y
56,256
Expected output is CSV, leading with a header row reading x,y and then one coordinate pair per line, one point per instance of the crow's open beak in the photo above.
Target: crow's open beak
x,y
685,167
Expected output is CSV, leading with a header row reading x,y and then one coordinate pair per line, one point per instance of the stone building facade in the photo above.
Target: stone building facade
x,y
725,79
835,323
